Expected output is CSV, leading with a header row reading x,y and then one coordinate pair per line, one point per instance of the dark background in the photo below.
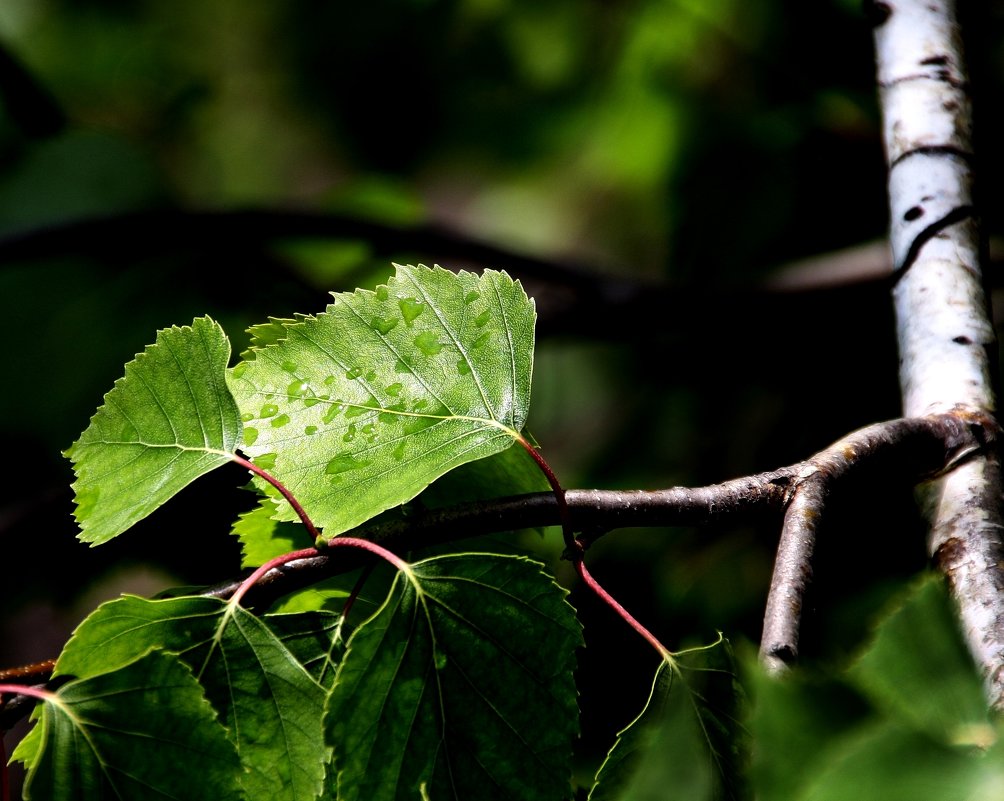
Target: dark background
x,y
651,170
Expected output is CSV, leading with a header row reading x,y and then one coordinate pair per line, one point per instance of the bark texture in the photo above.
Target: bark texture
x,y
946,339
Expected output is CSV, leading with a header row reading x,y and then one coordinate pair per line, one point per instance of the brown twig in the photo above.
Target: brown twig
x,y
918,448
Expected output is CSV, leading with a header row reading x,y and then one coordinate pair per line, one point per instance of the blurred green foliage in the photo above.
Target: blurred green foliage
x,y
690,145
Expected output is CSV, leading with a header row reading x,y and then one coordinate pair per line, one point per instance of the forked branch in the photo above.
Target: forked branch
x,y
915,448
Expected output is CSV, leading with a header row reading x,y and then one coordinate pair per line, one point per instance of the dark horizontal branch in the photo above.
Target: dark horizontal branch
x,y
593,513
914,448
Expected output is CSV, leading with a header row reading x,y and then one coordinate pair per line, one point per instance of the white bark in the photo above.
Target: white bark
x,y
945,335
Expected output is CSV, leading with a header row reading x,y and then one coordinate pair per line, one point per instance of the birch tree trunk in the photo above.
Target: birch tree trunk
x,y
946,340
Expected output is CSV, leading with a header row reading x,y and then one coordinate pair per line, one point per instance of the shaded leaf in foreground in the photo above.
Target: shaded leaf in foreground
x,y
99,740
686,743
460,686
268,701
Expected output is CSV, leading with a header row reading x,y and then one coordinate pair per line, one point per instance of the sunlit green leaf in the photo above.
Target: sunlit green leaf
x,y
268,701
332,594
360,408
267,333
142,731
461,686
169,420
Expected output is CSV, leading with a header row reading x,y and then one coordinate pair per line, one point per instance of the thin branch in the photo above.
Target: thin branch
x,y
592,512
915,448
927,446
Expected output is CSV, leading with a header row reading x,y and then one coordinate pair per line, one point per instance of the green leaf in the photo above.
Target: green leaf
x,y
331,594
884,762
169,420
687,742
140,732
360,408
459,687
26,751
270,704
264,334
263,537
511,472
796,722
918,669
316,639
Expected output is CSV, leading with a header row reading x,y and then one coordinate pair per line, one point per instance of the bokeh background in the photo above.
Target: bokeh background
x,y
693,190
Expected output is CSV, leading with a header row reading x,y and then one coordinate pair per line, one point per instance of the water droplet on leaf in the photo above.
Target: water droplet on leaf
x,y
250,436
247,417
350,433
415,424
471,296
428,343
280,421
297,389
354,373
385,325
387,416
240,369
357,411
289,367
394,389
410,309
310,430
343,463
265,461
333,411
269,410
463,367
482,319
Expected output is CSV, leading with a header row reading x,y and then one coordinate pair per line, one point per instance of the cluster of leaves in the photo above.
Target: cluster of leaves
x,y
461,683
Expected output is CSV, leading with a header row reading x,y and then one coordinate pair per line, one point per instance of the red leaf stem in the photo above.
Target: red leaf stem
x,y
290,498
307,553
